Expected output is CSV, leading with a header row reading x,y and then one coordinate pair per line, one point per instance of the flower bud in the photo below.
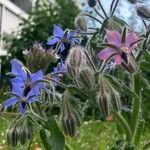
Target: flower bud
x,y
38,58
104,102
132,1
12,136
81,22
69,125
86,79
73,71
143,12
92,3
68,119
22,135
77,56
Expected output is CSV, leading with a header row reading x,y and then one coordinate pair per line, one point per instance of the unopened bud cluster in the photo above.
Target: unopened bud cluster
x,y
38,58
20,134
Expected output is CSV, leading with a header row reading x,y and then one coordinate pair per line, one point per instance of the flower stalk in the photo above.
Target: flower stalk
x,y
136,104
124,125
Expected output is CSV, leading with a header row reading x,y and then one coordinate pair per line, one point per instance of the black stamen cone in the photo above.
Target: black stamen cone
x,y
27,90
124,57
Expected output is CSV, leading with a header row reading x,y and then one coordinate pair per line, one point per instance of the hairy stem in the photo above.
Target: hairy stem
x,y
136,104
124,125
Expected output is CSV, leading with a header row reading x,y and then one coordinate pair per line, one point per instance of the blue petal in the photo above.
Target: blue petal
x,y
58,32
37,76
75,40
35,90
30,94
53,41
62,48
32,99
18,90
22,107
11,101
17,69
18,81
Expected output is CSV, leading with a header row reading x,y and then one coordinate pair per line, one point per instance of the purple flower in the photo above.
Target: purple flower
x,y
123,47
62,37
20,98
26,80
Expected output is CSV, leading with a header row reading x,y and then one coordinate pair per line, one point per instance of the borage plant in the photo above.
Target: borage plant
x,y
107,77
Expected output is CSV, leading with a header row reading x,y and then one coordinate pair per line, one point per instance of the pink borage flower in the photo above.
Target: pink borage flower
x,y
119,46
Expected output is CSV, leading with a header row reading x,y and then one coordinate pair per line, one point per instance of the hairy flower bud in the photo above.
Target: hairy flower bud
x,y
72,71
22,135
12,136
69,117
143,11
133,1
104,102
69,125
92,3
38,58
81,22
108,97
86,79
77,57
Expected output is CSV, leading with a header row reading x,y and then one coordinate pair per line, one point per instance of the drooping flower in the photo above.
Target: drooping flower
x,y
26,80
20,98
61,68
121,47
62,37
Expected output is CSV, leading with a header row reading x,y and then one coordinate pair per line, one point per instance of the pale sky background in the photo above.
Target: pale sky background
x,y
125,11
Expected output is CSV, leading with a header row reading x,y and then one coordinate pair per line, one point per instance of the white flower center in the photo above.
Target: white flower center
x,y
124,49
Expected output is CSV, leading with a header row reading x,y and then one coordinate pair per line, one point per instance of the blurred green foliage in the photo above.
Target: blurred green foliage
x,y
39,26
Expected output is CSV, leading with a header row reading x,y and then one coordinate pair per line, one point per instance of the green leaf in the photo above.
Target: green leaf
x,y
145,66
44,138
120,87
147,56
147,146
78,91
56,137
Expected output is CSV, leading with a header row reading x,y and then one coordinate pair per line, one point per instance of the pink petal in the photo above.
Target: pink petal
x,y
114,37
118,59
105,53
131,38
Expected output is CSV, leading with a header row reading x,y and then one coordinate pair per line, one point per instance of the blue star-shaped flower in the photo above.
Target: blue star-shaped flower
x,y
62,37
20,98
26,80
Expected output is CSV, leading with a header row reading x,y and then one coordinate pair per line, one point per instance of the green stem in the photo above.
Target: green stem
x,y
136,104
124,125
90,60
